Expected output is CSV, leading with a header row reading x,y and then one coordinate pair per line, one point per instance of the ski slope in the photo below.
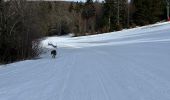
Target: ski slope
x,y
131,64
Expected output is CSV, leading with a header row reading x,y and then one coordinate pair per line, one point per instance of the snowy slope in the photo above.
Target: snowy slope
x,y
127,65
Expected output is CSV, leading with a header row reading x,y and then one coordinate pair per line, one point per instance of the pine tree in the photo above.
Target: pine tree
x,y
109,12
78,7
88,9
123,13
148,11
115,14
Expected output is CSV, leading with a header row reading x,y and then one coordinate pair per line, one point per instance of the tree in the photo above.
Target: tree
x,y
115,14
167,7
146,11
18,30
88,13
71,7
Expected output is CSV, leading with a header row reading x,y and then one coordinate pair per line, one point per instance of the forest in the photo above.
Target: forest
x,y
23,23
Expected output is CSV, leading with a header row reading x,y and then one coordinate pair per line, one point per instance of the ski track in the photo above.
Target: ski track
x,y
69,66
148,77
126,65
100,79
104,76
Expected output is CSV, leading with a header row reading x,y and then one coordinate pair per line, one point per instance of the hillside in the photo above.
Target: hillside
x,y
126,65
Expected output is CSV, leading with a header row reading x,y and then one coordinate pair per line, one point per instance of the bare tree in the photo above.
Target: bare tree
x,y
18,30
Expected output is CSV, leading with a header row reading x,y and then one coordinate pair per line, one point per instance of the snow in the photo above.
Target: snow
x,y
126,65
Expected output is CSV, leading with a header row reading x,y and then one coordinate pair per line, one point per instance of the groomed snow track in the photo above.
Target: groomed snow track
x,y
127,65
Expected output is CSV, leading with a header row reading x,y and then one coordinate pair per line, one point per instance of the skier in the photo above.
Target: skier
x,y
53,53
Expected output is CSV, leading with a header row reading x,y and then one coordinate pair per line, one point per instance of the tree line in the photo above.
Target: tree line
x,y
19,29
94,17
23,22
